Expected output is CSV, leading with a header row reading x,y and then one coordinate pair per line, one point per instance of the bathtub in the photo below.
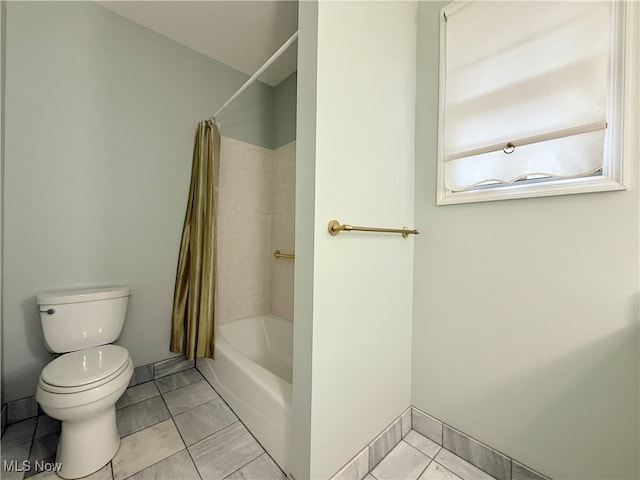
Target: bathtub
x,y
252,372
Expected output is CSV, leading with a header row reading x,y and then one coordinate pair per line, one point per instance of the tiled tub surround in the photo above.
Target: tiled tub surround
x,y
282,229
244,230
256,205
176,427
417,446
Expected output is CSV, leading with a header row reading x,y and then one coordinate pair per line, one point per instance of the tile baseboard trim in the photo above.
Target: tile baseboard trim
x,y
478,454
24,408
368,458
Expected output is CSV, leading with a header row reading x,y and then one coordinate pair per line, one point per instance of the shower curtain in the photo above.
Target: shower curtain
x,y
192,320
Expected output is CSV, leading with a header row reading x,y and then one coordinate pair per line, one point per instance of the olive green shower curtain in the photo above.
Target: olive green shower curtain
x,y
192,320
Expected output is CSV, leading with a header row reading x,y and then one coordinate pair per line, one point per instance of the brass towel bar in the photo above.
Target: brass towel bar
x,y
277,254
335,227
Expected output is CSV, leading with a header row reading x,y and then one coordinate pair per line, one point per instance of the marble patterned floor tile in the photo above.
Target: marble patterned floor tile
x,y
435,471
422,443
47,425
262,468
369,477
103,474
137,393
384,443
460,467
43,451
17,453
402,463
141,374
485,458
188,397
18,433
356,468
145,448
204,420
22,409
521,472
172,365
177,380
177,466
223,453
426,425
141,415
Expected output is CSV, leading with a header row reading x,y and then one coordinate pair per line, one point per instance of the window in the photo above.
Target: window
x,y
531,99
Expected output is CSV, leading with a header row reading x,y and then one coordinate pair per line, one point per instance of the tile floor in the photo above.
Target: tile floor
x,y
178,427
418,458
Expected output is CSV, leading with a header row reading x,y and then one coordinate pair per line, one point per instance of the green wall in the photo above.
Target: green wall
x,y
100,115
284,107
525,330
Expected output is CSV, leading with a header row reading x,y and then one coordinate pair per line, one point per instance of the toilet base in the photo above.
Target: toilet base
x,y
87,445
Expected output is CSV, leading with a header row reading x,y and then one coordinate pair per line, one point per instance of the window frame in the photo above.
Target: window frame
x,y
617,145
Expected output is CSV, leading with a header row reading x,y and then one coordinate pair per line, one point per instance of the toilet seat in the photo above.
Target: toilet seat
x,y
85,369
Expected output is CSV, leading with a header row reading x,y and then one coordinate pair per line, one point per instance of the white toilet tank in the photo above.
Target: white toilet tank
x,y
82,318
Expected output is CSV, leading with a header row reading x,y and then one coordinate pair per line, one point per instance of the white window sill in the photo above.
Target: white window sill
x,y
542,189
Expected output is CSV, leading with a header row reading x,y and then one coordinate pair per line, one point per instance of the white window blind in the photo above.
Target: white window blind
x,y
529,75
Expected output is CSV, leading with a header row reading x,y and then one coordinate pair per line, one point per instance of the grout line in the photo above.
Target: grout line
x,y
449,470
148,426
139,401
466,461
425,468
135,403
418,450
182,438
211,434
250,461
243,424
174,374
482,444
183,442
151,425
33,438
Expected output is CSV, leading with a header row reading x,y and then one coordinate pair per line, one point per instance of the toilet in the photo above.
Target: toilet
x,y
82,386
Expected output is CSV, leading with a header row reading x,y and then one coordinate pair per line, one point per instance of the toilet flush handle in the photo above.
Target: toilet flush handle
x,y
51,311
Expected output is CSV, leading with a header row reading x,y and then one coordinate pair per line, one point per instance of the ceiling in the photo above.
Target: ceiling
x,y
241,34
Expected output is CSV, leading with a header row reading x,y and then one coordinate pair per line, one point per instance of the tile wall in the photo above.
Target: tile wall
x,y
256,207
244,230
283,229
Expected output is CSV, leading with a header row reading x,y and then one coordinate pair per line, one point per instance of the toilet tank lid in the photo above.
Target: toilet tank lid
x,y
76,295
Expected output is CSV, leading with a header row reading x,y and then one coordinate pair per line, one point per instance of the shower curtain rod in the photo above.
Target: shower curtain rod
x,y
259,72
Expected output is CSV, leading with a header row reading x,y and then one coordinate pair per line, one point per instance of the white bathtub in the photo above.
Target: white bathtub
x,y
252,372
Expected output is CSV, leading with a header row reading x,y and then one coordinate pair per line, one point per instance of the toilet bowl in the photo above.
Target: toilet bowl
x,y
89,438
81,388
